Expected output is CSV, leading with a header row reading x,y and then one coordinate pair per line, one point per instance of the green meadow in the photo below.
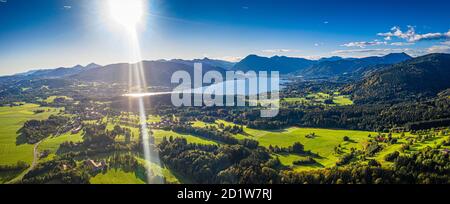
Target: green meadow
x,y
11,120
118,176
51,99
323,143
160,134
52,143
320,98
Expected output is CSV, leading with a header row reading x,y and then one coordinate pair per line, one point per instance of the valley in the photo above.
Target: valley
x,y
85,130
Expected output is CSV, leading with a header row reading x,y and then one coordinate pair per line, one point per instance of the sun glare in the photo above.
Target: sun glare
x,y
127,13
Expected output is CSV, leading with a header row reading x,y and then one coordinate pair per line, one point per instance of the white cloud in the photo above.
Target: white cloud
x,y
67,7
401,43
326,22
230,58
310,57
318,44
364,44
279,51
439,49
370,52
3,1
411,36
379,52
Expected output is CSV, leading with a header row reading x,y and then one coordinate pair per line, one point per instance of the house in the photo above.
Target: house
x,y
446,151
95,166
77,130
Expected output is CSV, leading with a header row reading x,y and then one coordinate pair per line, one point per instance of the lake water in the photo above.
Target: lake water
x,y
227,86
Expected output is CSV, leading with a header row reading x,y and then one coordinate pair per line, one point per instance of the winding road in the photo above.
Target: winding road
x,y
35,155
33,164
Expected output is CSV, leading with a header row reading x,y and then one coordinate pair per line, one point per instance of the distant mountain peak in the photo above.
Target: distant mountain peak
x,y
283,64
75,67
92,66
393,58
330,59
401,54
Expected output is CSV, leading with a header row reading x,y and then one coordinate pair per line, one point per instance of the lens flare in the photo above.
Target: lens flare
x,y
127,13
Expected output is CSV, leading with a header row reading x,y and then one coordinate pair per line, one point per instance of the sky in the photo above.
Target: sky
x,y
37,34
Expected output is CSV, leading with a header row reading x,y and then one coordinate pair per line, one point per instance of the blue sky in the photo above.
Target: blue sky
x,y
53,33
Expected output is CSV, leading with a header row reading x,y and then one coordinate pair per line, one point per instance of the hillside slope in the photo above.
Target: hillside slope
x,y
156,73
424,76
356,67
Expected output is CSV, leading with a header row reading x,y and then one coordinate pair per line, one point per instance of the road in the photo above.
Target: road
x,y
33,164
35,155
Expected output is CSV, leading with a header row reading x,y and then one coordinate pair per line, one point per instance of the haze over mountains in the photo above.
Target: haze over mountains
x,y
390,74
52,73
325,67
157,73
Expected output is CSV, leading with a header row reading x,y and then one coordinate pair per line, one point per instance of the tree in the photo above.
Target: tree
x,y
346,138
298,148
374,163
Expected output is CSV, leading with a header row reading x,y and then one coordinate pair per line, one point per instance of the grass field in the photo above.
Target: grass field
x,y
319,98
11,120
52,143
160,134
342,100
432,142
118,176
162,171
51,99
322,144
153,119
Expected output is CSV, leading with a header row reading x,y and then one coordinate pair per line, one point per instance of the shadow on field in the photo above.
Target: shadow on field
x,y
21,139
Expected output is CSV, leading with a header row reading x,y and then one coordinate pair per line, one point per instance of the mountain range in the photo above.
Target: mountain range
x,y
284,65
381,78
424,76
352,66
206,61
51,73
157,73
325,67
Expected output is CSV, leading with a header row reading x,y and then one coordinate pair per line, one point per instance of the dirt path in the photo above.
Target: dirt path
x,y
35,155
33,164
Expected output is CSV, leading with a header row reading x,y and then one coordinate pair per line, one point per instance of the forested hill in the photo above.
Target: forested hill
x,y
156,73
325,67
420,77
284,65
352,67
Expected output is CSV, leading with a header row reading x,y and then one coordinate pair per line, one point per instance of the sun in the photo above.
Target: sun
x,y
127,13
